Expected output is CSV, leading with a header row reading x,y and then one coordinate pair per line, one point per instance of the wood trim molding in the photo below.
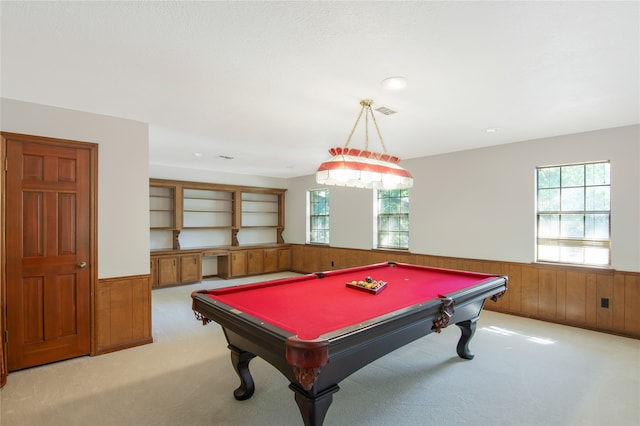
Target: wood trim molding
x,y
3,311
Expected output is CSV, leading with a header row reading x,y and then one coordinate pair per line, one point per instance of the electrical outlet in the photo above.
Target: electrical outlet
x,y
604,302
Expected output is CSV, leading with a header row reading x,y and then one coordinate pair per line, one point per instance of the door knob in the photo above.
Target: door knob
x,y
81,264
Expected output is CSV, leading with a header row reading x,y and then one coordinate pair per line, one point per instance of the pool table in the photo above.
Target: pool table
x,y
317,329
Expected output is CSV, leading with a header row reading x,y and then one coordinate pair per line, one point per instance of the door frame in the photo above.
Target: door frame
x,y
93,233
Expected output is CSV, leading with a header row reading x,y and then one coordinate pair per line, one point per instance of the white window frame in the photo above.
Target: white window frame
x,y
573,218
318,235
389,231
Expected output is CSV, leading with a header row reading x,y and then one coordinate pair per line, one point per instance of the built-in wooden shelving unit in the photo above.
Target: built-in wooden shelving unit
x,y
241,226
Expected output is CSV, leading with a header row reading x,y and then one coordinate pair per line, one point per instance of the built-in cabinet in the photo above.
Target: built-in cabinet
x,y
241,226
254,261
172,269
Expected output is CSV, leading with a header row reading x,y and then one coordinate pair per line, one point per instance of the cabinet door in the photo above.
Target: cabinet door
x,y
168,272
238,263
284,259
190,268
270,260
153,270
255,261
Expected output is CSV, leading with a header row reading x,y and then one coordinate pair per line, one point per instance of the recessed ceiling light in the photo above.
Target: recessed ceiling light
x,y
491,130
197,154
394,83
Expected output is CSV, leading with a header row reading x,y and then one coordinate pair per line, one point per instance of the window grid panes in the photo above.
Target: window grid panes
x,y
393,219
319,216
574,214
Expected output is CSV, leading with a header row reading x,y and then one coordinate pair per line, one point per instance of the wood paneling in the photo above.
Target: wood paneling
x,y
631,298
563,294
617,302
514,294
298,257
576,297
123,313
530,299
604,291
547,294
590,300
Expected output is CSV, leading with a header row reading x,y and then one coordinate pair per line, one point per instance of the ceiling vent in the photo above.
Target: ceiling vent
x,y
385,110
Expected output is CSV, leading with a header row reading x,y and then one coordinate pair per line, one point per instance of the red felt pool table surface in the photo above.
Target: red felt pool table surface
x,y
312,305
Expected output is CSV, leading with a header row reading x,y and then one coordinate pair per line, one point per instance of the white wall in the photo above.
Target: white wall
x,y
473,204
480,203
350,209
123,179
159,171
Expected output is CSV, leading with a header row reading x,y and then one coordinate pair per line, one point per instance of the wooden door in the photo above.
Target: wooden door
x,y
48,255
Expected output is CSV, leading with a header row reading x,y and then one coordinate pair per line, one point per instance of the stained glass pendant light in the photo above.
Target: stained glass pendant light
x,y
363,168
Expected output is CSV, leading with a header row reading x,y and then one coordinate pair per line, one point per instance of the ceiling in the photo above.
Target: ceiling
x,y
275,84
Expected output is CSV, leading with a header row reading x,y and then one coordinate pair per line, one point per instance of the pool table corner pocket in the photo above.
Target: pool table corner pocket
x,y
306,357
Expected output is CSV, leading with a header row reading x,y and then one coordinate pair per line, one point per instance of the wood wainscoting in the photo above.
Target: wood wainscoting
x,y
122,313
598,299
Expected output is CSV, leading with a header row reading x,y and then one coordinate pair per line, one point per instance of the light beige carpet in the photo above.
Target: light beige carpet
x,y
525,373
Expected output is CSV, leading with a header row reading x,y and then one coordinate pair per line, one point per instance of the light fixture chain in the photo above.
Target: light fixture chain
x,y
375,123
354,127
366,128
362,168
366,105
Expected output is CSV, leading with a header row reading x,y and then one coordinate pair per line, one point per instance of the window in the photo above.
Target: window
x,y
392,225
574,214
319,216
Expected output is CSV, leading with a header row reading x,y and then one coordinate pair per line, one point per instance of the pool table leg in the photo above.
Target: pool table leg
x,y
240,360
313,408
468,329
